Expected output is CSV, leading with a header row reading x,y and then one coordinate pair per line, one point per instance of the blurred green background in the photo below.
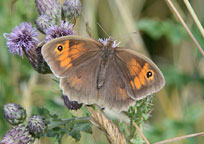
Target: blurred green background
x,y
178,108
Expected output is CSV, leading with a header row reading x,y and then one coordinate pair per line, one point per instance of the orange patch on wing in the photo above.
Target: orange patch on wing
x,y
64,46
145,67
80,47
69,65
137,83
142,78
134,70
64,55
132,62
144,70
75,81
134,67
123,92
76,49
132,84
65,62
74,53
67,44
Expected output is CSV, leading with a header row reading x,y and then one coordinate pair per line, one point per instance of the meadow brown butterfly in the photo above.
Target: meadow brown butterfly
x,y
94,72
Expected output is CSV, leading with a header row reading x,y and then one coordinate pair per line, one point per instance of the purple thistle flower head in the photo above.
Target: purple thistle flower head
x,y
105,41
37,125
43,22
18,135
71,9
56,31
14,113
22,38
48,6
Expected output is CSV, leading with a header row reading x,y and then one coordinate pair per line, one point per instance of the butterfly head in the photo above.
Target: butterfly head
x,y
109,42
109,46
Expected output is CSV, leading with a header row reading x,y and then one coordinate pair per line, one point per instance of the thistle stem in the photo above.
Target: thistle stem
x,y
140,132
65,121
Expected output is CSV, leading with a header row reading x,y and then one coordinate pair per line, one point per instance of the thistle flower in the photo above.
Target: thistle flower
x,y
14,114
36,59
105,41
72,105
71,9
18,135
50,7
22,38
58,31
37,125
43,22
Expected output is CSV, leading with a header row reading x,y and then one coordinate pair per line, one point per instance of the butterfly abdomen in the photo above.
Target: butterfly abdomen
x,y
101,73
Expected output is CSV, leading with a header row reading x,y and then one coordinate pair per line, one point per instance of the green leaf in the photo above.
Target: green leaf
x,y
77,128
156,29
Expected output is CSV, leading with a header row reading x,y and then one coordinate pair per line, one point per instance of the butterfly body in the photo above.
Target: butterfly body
x,y
106,53
101,72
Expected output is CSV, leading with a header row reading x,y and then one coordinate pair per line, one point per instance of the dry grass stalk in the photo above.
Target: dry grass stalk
x,y
194,16
140,132
111,131
185,26
180,138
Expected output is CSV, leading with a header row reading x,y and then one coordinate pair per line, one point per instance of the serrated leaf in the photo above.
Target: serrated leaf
x,y
77,128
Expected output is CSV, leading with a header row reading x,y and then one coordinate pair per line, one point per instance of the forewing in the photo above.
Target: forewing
x,y
75,52
135,68
80,85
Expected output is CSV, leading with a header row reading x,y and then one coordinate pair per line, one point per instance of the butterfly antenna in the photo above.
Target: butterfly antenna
x,y
88,29
103,30
125,35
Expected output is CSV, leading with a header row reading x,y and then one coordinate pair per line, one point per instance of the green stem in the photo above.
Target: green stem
x,y
132,133
70,121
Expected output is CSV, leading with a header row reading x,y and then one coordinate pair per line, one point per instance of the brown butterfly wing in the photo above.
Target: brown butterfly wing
x,y
135,69
75,52
113,94
81,85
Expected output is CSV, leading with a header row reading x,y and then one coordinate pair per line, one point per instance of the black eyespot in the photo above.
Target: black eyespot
x,y
149,74
59,48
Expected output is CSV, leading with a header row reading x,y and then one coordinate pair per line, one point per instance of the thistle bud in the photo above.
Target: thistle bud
x,y
14,114
43,22
18,135
71,9
50,7
37,125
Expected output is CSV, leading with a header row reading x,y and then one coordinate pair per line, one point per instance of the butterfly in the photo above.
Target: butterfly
x,y
101,72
